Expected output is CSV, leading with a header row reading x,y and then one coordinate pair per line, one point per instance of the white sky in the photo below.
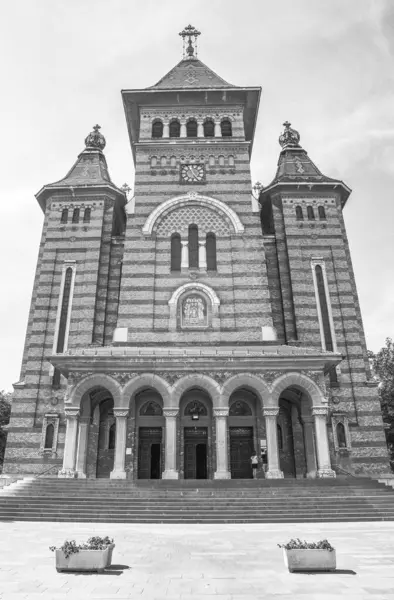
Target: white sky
x,y
325,65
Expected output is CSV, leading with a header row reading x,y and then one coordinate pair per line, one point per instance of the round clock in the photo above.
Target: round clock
x,y
192,173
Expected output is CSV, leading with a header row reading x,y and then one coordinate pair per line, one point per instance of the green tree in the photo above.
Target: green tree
x,y
383,365
5,412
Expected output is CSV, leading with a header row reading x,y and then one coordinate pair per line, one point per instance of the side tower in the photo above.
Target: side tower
x,y
74,302
311,277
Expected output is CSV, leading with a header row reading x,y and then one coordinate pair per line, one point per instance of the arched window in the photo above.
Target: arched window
x,y
153,161
299,213
209,128
64,311
49,434
163,161
341,435
310,213
173,161
211,161
112,437
86,215
64,217
211,251
324,308
280,436
196,408
151,409
176,250
157,129
231,161
226,128
76,215
191,128
240,408
221,161
175,129
322,213
193,246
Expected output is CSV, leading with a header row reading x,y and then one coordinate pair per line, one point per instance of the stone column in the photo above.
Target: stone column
x,y
185,255
273,471
323,454
200,128
118,471
310,452
222,471
183,133
83,433
70,445
218,131
166,129
170,471
202,255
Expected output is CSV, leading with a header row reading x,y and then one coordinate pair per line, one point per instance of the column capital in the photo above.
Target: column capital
x,y
185,242
121,412
319,411
220,412
170,412
271,411
71,412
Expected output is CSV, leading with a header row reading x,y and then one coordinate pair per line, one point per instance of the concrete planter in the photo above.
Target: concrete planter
x,y
85,560
310,560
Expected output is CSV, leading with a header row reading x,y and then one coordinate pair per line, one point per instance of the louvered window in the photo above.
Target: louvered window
x,y
193,246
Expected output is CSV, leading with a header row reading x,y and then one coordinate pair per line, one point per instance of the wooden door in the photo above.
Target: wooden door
x,y
241,449
195,452
148,437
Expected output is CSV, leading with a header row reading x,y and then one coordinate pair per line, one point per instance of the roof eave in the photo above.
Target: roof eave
x,y
345,190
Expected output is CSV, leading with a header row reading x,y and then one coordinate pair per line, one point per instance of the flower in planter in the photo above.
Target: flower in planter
x,y
298,544
93,543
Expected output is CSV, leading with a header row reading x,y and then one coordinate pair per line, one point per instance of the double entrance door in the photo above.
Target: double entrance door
x,y
149,452
196,454
241,449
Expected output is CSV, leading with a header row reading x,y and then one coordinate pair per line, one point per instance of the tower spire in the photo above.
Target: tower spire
x,y
190,50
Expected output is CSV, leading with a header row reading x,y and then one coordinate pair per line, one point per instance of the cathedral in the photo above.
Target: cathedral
x,y
178,330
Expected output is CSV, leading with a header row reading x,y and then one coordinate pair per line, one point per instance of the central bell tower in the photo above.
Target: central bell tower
x,y
194,269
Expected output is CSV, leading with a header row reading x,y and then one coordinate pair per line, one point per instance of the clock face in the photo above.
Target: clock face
x,y
192,173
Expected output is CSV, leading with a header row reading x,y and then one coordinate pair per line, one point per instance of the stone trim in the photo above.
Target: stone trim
x,y
344,419
50,419
212,306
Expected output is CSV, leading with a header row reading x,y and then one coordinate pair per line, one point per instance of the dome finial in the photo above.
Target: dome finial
x,y
191,50
290,138
95,139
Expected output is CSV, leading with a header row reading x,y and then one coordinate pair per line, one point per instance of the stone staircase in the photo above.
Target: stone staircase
x,y
197,501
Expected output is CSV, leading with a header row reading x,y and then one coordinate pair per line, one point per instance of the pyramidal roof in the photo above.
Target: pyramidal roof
x,y
191,73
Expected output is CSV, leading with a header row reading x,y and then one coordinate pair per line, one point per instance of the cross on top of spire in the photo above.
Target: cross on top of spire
x,y
192,34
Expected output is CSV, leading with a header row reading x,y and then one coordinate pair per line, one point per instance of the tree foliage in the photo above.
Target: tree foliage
x,y
5,412
383,366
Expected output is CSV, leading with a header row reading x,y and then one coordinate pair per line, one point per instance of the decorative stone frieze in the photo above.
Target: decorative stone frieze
x,y
270,376
122,377
220,376
169,376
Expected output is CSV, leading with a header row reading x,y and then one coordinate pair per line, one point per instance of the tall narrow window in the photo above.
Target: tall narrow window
x,y
310,213
226,128
280,436
56,379
209,128
211,252
163,161
153,161
221,161
175,129
173,161
299,213
322,213
341,435
49,436
157,129
211,161
324,308
64,311
193,246
191,128
176,250
76,215
231,160
64,217
86,215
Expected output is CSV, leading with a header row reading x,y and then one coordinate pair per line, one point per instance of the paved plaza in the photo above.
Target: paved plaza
x,y
221,562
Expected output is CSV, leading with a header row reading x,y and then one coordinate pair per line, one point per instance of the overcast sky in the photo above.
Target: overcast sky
x,y
325,65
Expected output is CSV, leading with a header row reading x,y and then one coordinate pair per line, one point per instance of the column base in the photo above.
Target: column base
x,y
170,474
81,475
67,474
117,475
321,473
311,475
222,475
274,474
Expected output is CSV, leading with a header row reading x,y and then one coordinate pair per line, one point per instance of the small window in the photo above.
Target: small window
x,y
86,215
193,246
226,128
231,161
64,217
176,252
299,213
191,128
211,252
310,213
49,434
209,128
163,161
153,161
76,215
341,435
322,213
157,129
112,437
175,129
221,161
211,161
173,161
56,379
